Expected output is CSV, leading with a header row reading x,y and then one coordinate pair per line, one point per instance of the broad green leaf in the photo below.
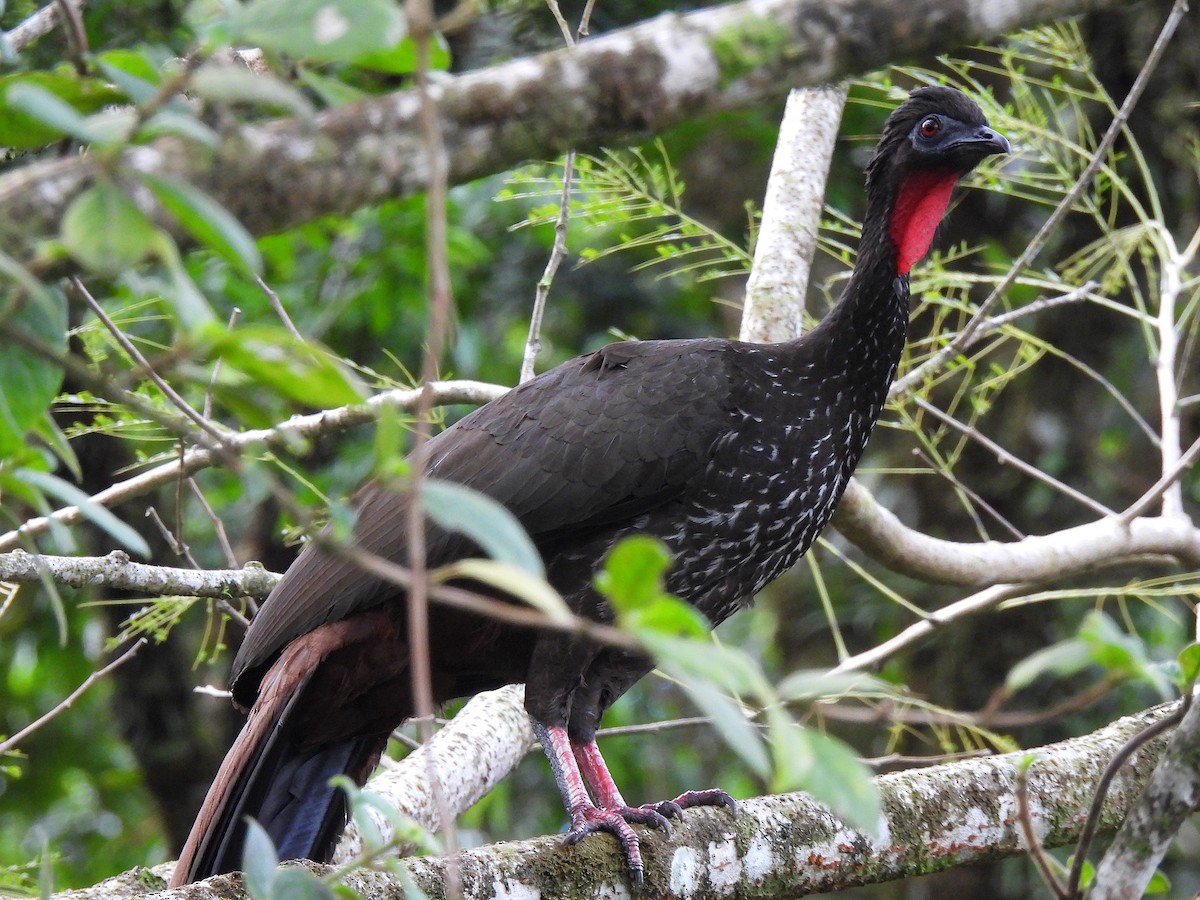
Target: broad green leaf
x,y
98,515
233,84
47,429
207,221
273,358
402,58
259,861
486,522
21,129
137,64
1189,665
829,770
1061,659
815,684
47,108
119,68
105,231
1159,884
633,572
732,725
189,304
513,580
182,124
690,658
296,883
28,381
327,30
331,91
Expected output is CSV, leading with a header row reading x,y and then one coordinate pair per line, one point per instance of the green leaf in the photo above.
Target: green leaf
x,y
47,429
1189,665
513,580
22,129
98,515
731,724
183,124
691,658
233,84
829,770
271,357
1061,659
120,66
259,861
51,111
327,30
486,522
190,305
295,883
633,572
331,91
402,58
816,684
105,231
28,381
207,221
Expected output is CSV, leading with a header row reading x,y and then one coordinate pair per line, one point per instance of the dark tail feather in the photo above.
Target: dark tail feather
x,y
267,777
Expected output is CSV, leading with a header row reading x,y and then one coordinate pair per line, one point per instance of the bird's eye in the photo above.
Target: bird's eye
x,y
930,127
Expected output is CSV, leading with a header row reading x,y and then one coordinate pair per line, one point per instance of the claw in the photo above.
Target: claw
x,y
710,797
589,820
594,803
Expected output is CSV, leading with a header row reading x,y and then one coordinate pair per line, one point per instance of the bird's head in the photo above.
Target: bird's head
x,y
930,141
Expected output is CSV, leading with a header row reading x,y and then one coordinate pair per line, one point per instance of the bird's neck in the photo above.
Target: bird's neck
x,y
872,314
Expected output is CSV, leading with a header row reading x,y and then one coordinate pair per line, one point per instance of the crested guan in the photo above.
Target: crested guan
x,y
733,454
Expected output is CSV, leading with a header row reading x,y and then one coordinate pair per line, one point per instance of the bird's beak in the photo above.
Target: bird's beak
x,y
984,141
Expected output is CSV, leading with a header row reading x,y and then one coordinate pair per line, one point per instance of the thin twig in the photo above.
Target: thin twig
x,y
421,24
1150,497
66,704
558,251
1008,458
1036,850
77,41
144,364
277,306
988,598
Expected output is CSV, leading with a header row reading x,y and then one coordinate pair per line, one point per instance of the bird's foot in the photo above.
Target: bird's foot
x,y
617,822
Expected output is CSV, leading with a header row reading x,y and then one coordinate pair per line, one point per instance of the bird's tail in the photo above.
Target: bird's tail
x,y
282,784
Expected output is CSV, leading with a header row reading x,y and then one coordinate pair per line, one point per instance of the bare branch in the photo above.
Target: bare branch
x,y
291,434
40,23
69,701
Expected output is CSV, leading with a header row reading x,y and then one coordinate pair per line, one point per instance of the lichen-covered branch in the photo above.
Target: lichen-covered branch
x,y
785,845
607,91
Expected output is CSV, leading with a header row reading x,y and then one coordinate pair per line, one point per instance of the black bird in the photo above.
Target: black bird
x,y
733,454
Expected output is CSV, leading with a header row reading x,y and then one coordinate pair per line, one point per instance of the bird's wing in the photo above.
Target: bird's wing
x,y
594,441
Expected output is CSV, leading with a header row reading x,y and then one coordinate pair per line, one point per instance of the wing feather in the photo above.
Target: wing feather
x,y
588,445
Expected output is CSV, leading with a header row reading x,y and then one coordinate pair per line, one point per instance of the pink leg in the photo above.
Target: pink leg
x,y
579,768
597,777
